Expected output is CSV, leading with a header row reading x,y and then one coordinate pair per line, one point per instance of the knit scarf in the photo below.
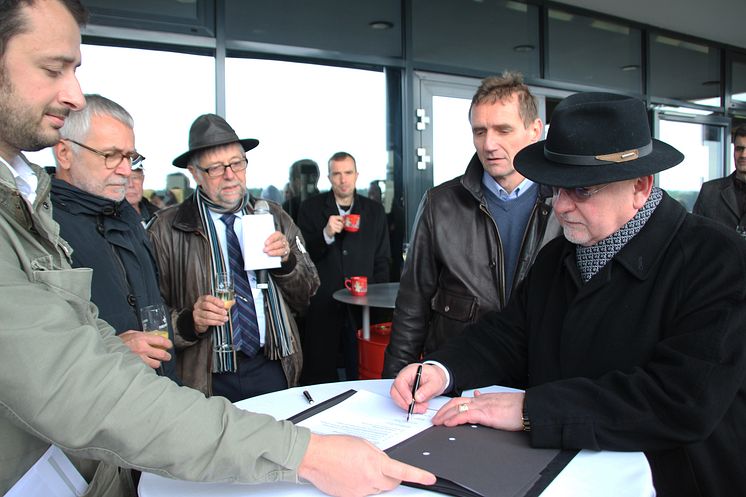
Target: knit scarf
x,y
592,259
278,338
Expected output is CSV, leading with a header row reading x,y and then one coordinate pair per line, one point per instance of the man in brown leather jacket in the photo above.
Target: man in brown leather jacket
x,y
191,245
476,235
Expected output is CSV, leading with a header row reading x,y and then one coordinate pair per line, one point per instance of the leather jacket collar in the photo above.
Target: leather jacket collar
x,y
472,181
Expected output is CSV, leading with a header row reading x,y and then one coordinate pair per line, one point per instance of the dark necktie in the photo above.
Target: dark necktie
x,y
243,313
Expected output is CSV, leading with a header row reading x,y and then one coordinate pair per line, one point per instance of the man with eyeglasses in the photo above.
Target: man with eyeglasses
x,y
201,237
94,161
724,199
628,333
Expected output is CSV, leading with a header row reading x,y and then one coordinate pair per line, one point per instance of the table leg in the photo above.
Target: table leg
x,y
366,322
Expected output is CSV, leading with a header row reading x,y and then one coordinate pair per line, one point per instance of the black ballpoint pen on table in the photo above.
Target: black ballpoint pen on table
x,y
308,397
415,386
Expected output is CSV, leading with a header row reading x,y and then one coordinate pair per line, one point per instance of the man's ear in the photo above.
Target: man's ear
x,y
195,175
536,129
63,152
643,186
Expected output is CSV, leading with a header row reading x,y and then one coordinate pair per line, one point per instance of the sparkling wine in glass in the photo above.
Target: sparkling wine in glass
x,y
224,290
154,320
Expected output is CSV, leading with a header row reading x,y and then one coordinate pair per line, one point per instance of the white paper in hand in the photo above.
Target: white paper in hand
x,y
256,230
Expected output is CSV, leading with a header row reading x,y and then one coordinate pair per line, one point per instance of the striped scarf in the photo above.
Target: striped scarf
x,y
278,338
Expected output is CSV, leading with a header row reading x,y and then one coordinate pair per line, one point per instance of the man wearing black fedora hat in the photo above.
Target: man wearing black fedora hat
x,y
627,334
200,238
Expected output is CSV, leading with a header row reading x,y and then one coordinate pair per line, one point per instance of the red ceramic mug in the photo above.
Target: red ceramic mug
x,y
357,285
352,222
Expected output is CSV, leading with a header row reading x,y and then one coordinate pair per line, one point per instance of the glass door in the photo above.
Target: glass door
x,y
702,140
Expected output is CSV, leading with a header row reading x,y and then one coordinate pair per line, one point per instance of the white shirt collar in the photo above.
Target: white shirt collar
x,y
25,177
493,186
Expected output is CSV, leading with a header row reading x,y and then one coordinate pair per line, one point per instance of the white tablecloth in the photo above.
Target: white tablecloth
x,y
592,474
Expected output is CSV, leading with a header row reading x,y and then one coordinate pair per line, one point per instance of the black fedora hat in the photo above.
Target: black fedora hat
x,y
211,130
596,138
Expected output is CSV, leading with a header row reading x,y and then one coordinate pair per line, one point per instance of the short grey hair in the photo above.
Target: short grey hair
x,y
196,157
78,123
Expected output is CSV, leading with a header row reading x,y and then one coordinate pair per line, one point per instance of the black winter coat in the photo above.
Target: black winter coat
x,y
717,200
648,355
107,236
362,253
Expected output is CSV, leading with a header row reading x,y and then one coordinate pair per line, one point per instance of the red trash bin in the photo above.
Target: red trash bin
x,y
370,352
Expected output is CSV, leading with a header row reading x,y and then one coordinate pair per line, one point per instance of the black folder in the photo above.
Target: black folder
x,y
472,460
477,461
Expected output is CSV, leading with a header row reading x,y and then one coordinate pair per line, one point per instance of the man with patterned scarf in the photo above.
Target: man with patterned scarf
x,y
629,333
252,348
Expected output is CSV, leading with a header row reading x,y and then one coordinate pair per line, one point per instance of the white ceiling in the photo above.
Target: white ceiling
x,y
723,21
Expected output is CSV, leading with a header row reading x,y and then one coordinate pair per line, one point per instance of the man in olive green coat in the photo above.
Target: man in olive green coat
x,y
65,378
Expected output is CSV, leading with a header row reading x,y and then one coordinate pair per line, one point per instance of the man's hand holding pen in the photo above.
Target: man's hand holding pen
x,y
431,384
496,410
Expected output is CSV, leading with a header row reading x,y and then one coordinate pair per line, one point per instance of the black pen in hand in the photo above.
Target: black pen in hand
x,y
415,386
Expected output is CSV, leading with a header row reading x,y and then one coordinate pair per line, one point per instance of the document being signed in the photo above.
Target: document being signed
x,y
370,416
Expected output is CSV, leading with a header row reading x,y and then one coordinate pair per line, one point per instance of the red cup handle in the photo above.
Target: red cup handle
x,y
348,284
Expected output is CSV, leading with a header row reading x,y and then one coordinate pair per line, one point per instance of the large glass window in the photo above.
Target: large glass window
x,y
452,137
738,79
684,70
164,92
702,147
299,111
181,16
593,52
341,26
488,36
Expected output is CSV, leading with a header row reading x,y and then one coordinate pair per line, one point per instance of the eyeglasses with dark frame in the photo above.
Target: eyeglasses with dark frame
x,y
113,159
217,170
579,194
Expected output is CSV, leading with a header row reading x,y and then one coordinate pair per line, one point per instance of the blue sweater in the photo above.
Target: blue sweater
x,y
511,217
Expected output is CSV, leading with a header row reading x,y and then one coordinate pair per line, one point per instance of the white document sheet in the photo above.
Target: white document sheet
x,y
370,416
256,230
53,475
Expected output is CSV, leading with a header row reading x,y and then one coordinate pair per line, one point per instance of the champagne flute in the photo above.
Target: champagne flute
x,y
155,321
223,353
224,290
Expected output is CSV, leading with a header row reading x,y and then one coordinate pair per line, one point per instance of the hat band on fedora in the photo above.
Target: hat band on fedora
x,y
597,160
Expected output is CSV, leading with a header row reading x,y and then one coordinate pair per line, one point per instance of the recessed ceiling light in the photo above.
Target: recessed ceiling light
x,y
711,83
630,67
381,25
523,48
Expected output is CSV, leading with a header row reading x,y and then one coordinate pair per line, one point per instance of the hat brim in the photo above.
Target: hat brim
x,y
183,159
532,164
